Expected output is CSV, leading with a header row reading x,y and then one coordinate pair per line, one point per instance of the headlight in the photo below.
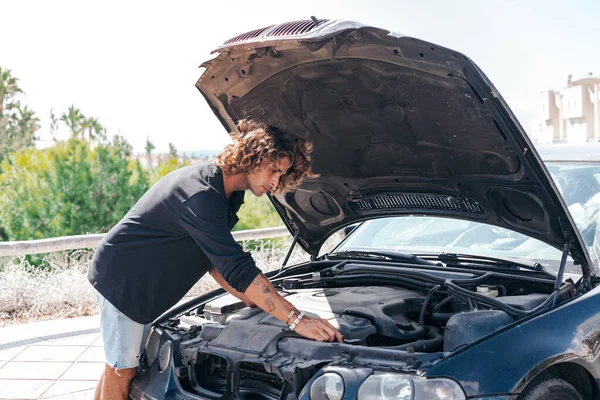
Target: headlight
x,y
164,356
438,389
152,345
329,386
391,386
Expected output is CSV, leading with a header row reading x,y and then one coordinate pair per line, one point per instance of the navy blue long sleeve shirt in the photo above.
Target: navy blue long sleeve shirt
x,y
169,239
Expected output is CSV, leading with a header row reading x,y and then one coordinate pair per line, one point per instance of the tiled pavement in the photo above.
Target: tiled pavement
x,y
58,360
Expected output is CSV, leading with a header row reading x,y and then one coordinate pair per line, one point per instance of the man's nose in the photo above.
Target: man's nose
x,y
274,181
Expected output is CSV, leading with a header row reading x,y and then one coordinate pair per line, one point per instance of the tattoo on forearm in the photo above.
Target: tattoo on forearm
x,y
266,289
270,304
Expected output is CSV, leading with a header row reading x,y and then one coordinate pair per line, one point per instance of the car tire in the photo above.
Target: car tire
x,y
548,387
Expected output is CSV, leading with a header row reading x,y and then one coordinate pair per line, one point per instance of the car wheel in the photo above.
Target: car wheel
x,y
548,387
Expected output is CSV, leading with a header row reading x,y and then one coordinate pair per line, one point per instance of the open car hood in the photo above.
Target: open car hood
x,y
399,126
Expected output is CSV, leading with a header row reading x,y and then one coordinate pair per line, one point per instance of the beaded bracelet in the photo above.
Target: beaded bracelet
x,y
291,314
298,318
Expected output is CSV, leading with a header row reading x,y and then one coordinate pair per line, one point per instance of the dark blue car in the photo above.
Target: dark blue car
x,y
456,264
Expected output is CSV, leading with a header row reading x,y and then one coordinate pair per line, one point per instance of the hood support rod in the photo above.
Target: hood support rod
x,y
289,253
561,270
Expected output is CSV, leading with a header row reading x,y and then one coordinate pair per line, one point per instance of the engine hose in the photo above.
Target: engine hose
x,y
487,301
503,291
433,341
442,316
426,302
423,276
442,303
493,303
417,284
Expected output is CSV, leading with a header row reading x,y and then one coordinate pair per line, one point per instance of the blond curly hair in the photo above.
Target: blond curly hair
x,y
257,145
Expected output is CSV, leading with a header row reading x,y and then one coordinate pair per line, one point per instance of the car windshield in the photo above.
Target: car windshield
x,y
579,184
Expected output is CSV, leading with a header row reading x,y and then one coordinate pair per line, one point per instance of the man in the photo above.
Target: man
x,y
178,231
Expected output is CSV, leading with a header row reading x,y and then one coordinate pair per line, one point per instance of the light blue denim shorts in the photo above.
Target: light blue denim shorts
x,y
124,339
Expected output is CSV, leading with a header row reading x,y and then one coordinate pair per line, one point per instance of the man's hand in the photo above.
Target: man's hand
x,y
264,295
317,329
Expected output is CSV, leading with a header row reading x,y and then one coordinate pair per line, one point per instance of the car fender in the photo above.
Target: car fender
x,y
507,360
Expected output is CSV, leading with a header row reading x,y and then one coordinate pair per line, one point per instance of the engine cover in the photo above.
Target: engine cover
x,y
356,311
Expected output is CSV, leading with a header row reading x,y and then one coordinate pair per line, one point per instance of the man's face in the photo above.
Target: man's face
x,y
266,178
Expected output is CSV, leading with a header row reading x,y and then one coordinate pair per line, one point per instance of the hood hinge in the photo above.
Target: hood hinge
x,y
355,196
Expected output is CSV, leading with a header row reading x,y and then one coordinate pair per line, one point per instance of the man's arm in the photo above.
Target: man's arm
x,y
223,283
264,295
211,232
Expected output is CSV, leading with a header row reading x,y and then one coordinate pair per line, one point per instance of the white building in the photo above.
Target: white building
x,y
571,115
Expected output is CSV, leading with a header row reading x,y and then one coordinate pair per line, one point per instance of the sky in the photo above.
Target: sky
x,y
133,64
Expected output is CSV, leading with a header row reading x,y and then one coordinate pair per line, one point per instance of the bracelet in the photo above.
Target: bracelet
x,y
290,315
298,318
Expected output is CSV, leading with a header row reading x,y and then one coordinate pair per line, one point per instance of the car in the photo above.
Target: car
x,y
575,169
464,274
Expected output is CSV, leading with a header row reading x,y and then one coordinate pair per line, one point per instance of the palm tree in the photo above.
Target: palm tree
x,y
149,147
93,127
8,87
172,150
27,122
74,119
18,123
53,125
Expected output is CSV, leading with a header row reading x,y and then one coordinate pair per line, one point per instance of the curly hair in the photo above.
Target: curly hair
x,y
256,145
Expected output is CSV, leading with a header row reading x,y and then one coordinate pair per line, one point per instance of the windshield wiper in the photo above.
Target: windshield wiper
x,y
385,256
455,258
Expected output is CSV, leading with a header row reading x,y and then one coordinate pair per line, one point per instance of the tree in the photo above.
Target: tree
x,y
166,164
68,189
74,120
172,150
123,146
148,148
8,87
93,128
79,124
53,125
257,212
18,123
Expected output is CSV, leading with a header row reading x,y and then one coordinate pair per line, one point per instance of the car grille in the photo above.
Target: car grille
x,y
211,374
296,28
255,382
288,29
420,201
248,35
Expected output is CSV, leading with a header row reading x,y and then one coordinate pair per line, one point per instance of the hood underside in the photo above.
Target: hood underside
x,y
398,125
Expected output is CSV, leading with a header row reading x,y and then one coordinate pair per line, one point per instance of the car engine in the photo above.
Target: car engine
x,y
378,315
395,318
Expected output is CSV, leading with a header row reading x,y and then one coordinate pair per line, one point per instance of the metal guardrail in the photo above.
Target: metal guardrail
x,y
42,246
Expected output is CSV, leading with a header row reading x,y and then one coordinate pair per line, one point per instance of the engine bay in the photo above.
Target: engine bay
x,y
397,316
385,315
